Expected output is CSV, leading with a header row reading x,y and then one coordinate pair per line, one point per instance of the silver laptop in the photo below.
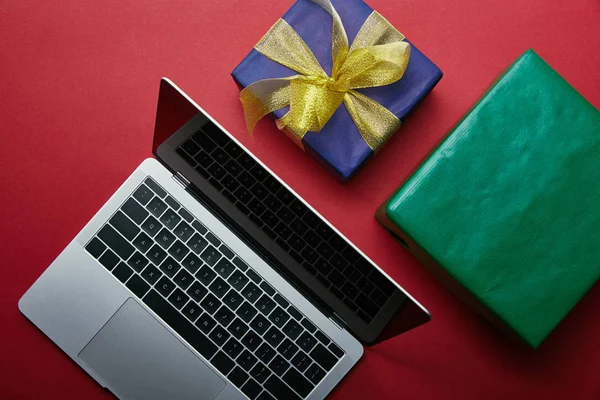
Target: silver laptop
x,y
204,276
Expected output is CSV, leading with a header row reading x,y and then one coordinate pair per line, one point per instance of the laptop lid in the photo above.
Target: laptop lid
x,y
278,224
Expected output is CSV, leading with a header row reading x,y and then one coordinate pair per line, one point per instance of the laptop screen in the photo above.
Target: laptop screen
x,y
280,226
173,111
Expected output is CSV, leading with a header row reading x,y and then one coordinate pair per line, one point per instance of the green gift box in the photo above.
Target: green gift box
x,y
506,210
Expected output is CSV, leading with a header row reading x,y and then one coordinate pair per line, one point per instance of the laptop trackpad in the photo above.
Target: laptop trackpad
x,y
140,359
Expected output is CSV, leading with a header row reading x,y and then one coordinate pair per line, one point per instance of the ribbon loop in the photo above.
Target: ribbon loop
x,y
378,56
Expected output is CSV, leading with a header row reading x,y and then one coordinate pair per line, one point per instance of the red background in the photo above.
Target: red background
x,y
78,88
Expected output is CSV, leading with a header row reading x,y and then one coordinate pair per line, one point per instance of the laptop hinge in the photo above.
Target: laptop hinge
x,y
337,321
182,180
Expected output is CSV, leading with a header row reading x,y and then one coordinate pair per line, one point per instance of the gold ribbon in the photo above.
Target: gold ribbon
x,y
377,57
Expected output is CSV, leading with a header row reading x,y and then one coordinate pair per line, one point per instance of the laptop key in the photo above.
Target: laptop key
x,y
292,329
246,179
199,227
197,292
254,276
190,147
213,239
138,286
233,348
260,324
143,194
265,305
155,187
298,226
294,313
238,280
264,395
156,207
143,242
216,171
279,389
180,324
308,325
237,328
322,338
287,349
122,272
246,360
301,361
206,275
240,264
165,238
233,299
222,362
279,365
183,231
306,342
233,167
95,247
226,252
219,335
197,243
210,304
224,268
115,241
367,305
246,312
251,292
238,376
137,261
267,288
134,211
183,279
260,372
165,286
178,250
170,219
219,287
279,317
151,274
251,340
256,207
323,357
192,311
151,226
224,316
274,336
178,298
172,202
206,323
336,350
230,182
265,353
282,302
314,373
297,382
251,389
210,255
170,267
191,263
109,260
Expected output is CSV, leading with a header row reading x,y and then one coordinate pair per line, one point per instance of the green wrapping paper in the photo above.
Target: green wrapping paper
x,y
506,211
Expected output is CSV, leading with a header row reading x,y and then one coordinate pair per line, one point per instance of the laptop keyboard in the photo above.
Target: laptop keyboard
x,y
285,218
212,298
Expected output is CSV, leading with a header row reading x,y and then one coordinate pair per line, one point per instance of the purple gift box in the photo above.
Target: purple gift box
x,y
338,147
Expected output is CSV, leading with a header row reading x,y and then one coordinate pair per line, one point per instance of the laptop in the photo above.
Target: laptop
x,y
205,276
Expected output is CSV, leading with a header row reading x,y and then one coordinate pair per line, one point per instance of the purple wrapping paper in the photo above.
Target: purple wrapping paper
x,y
338,147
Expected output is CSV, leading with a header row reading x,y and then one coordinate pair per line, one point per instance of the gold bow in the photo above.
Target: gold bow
x,y
377,57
